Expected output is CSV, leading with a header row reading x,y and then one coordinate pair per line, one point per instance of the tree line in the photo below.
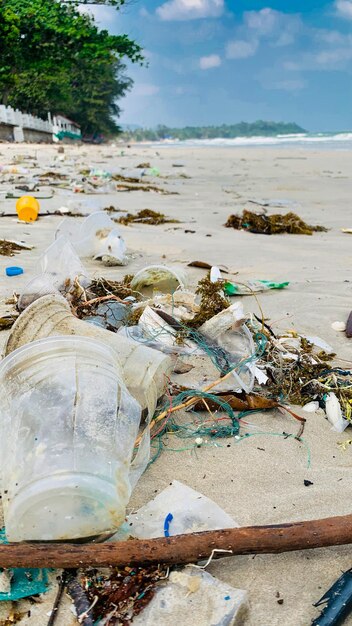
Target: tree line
x,y
226,131
55,58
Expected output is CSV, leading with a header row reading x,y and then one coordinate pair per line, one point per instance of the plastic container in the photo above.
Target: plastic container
x,y
96,237
144,370
68,428
27,208
159,278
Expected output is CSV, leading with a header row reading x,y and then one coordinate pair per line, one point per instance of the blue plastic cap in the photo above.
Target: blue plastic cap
x,y
13,271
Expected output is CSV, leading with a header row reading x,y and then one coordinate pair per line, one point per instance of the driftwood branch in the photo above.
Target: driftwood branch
x,y
180,549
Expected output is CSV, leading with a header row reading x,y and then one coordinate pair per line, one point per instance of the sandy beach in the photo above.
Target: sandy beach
x,y
260,480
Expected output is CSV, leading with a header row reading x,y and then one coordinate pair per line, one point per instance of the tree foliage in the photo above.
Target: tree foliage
x,y
242,129
55,58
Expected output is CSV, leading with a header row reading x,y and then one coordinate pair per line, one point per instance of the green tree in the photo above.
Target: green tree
x,y
54,58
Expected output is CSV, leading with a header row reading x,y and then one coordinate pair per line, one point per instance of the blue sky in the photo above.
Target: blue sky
x,y
223,61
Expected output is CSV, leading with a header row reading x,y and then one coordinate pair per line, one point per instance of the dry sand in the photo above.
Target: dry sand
x,y
260,480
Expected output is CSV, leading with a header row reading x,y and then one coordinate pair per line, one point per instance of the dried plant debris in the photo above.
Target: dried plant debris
x,y
146,216
7,321
212,302
143,166
9,247
272,224
120,594
103,287
125,183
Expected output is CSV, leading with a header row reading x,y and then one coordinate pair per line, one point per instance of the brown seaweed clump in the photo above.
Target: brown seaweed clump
x,y
10,248
146,216
272,224
212,302
101,287
121,594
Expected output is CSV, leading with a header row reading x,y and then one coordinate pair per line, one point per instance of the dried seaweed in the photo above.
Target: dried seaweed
x,y
121,594
10,248
134,184
143,166
14,617
212,302
146,216
272,224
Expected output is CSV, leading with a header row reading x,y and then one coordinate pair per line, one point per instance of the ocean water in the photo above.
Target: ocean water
x,y
335,141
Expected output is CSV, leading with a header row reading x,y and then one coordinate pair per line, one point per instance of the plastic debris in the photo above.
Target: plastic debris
x,y
193,597
27,208
252,286
191,511
19,583
160,278
334,413
339,326
97,237
338,601
14,271
65,466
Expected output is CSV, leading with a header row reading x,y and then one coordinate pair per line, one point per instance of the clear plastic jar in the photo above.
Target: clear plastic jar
x,y
68,429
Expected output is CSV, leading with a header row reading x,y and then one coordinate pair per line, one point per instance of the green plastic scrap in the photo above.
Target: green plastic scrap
x,y
233,289
24,582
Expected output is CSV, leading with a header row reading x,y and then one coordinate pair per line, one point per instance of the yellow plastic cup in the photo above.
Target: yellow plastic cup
x,y
27,208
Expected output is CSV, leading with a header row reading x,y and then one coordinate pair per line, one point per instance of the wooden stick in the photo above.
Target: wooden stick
x,y
191,548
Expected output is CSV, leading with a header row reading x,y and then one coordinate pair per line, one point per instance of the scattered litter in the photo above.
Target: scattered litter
x,y
14,271
347,230
272,224
338,602
307,483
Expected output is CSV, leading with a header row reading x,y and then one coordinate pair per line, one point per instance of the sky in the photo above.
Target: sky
x,y
223,61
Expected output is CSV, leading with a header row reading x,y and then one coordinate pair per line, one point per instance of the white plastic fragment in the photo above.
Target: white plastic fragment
x,y
334,413
311,407
339,326
192,512
215,274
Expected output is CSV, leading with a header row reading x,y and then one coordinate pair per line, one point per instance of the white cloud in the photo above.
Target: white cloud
x,y
241,49
145,89
190,9
263,21
206,63
282,28
344,8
